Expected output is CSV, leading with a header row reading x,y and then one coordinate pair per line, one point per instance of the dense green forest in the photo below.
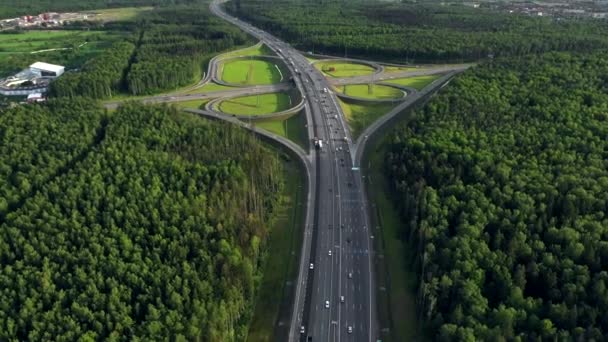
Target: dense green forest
x,y
174,46
403,32
143,225
99,78
169,49
502,181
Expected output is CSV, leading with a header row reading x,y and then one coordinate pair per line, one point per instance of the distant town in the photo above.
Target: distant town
x,y
555,9
43,20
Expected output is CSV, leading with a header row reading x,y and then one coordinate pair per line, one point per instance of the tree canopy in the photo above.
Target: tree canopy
x,y
420,32
155,232
502,180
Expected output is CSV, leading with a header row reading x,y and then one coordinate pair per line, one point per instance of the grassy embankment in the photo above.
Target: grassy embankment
x,y
396,278
372,92
281,264
257,104
417,82
339,69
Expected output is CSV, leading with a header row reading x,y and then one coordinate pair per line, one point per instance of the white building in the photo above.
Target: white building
x,y
47,70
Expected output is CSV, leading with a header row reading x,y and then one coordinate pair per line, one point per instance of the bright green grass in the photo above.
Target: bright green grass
x,y
375,91
251,72
398,256
194,104
418,82
281,264
292,128
359,116
399,68
257,104
344,69
117,14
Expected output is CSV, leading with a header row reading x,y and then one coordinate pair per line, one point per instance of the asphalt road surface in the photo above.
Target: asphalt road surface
x,y
340,224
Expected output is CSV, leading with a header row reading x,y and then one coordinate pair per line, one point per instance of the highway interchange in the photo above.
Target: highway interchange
x,y
334,297
338,234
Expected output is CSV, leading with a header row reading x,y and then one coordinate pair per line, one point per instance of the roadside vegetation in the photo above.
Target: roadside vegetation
x,y
371,91
251,72
257,104
340,69
281,261
501,183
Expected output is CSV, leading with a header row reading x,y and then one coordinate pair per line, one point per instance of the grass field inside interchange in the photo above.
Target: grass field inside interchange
x,y
371,91
251,72
292,128
359,116
339,69
417,82
257,104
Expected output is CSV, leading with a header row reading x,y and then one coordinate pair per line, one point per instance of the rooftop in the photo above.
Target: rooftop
x,y
47,66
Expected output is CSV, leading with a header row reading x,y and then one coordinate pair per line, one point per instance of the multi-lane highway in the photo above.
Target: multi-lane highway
x,y
334,299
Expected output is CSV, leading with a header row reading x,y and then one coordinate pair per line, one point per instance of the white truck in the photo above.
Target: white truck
x,y
318,144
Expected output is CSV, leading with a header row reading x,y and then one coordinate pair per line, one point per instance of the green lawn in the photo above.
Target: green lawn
x,y
398,300
117,14
344,69
257,104
194,104
373,91
359,116
418,82
281,264
293,128
251,72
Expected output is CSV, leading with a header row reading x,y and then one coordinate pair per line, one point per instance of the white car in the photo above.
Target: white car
x,y
350,275
312,266
302,329
327,304
341,299
329,252
350,329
